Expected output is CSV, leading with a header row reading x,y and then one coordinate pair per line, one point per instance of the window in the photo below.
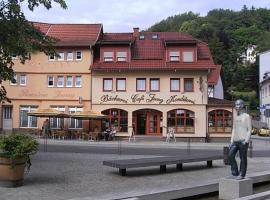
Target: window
x,y
25,120
220,121
121,84
61,56
181,120
69,82
51,57
188,56
14,80
141,84
78,81
58,123
69,55
107,84
75,123
117,118
78,55
141,37
155,36
188,84
175,84
23,80
154,84
108,56
121,56
174,55
60,81
50,81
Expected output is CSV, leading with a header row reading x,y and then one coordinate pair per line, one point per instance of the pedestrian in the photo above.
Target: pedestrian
x,y
239,141
46,127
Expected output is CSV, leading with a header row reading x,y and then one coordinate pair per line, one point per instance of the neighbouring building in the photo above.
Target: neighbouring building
x,y
150,81
249,55
264,71
45,81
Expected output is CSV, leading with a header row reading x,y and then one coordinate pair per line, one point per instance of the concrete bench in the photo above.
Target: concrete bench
x,y
122,165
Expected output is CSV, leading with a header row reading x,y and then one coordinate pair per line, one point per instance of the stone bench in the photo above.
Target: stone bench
x,y
122,165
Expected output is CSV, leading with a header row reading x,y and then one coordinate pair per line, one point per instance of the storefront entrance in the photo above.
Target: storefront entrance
x,y
147,122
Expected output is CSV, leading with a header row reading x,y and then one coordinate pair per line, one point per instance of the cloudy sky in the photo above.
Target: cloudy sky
x,y
123,15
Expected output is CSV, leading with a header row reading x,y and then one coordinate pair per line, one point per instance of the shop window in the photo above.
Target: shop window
x,y
118,119
58,123
181,120
121,56
219,121
174,56
107,84
121,84
141,84
175,84
154,84
188,85
75,123
25,120
188,56
108,56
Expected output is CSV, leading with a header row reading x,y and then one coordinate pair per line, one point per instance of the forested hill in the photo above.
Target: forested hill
x,y
228,33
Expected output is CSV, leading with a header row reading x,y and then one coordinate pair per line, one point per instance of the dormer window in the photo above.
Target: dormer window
x,y
188,56
155,36
174,55
121,56
108,56
141,37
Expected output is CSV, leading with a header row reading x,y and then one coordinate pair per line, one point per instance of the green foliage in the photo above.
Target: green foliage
x,y
228,34
19,37
18,146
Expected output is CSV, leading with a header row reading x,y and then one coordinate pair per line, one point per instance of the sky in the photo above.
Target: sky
x,y
123,15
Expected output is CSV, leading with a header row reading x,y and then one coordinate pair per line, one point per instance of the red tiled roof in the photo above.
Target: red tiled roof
x,y
218,102
214,75
151,53
71,34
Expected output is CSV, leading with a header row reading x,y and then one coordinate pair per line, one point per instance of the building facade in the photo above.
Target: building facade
x,y
61,82
145,82
264,70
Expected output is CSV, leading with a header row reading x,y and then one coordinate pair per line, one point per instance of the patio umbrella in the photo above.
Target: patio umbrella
x,y
88,115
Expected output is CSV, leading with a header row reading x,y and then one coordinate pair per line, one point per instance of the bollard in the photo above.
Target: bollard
x,y
226,159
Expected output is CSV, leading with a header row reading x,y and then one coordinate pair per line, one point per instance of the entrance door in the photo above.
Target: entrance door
x,y
7,118
141,124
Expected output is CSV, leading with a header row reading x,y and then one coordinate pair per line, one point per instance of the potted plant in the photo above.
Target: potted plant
x,y
15,151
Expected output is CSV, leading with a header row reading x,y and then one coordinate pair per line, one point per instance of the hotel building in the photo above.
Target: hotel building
x,y
146,81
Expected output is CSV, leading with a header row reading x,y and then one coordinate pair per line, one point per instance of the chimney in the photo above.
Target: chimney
x,y
136,32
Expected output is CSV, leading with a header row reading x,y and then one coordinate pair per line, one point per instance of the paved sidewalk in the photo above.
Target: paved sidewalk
x,y
81,176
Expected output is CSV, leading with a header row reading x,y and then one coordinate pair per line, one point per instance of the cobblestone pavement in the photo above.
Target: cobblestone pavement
x,y
81,176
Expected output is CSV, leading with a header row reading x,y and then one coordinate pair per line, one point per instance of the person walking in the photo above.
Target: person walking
x,y
46,127
239,141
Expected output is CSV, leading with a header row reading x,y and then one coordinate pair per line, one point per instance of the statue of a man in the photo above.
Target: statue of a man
x,y
240,139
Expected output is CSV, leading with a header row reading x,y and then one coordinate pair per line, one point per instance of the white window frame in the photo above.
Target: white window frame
x,y
71,85
76,121
15,77
51,59
171,81
60,85
76,78
186,57
70,55
104,84
117,84
23,75
108,56
58,120
152,85
61,56
30,118
137,84
174,56
80,56
53,79
121,56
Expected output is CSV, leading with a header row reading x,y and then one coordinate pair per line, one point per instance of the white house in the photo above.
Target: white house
x,y
264,72
215,86
249,56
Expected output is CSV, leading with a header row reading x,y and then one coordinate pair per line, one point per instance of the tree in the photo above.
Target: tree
x,y
20,37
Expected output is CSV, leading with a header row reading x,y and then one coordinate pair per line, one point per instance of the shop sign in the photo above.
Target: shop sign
x,y
150,98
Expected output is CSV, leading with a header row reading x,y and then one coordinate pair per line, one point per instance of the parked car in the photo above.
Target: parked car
x,y
254,131
264,132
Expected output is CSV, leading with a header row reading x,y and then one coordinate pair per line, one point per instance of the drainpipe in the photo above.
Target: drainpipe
x,y
91,82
